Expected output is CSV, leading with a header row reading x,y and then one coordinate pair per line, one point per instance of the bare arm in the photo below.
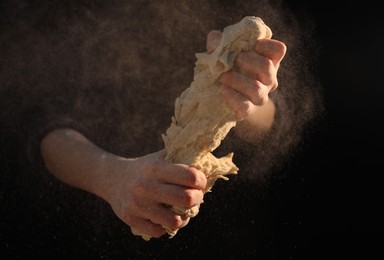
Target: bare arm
x,y
76,161
138,189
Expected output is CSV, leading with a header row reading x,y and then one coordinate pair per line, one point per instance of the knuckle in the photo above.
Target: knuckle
x,y
240,58
280,48
258,90
148,169
138,189
131,206
248,109
244,59
193,175
261,93
225,77
264,100
127,218
175,222
157,233
267,64
197,178
155,230
245,108
189,198
274,85
268,71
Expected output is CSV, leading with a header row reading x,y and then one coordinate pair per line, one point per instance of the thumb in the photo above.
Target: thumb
x,y
213,40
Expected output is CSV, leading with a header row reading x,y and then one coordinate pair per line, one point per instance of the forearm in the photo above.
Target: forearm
x,y
257,124
76,161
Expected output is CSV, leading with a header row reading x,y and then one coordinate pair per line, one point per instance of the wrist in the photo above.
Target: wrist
x,y
110,171
258,123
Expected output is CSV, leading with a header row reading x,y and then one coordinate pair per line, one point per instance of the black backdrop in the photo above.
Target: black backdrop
x,y
342,192
329,204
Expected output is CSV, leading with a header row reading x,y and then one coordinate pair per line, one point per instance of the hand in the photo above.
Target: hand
x,y
146,188
254,75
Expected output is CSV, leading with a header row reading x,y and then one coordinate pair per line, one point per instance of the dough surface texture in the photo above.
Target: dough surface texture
x,y
202,118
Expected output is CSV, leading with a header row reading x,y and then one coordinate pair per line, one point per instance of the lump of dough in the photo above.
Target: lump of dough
x,y
202,118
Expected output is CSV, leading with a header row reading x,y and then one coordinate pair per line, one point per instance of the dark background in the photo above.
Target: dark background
x,y
328,205
336,188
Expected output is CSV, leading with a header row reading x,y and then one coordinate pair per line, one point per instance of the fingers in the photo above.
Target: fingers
x,y
154,219
213,40
140,227
160,215
177,196
157,186
238,102
168,194
253,76
185,176
249,88
177,174
263,63
257,67
271,49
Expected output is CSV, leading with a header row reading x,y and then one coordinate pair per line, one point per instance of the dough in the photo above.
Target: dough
x,y
202,118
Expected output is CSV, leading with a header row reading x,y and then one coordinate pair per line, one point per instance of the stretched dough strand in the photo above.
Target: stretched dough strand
x,y
202,118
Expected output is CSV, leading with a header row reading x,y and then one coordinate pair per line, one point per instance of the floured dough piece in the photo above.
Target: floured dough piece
x,y
202,118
